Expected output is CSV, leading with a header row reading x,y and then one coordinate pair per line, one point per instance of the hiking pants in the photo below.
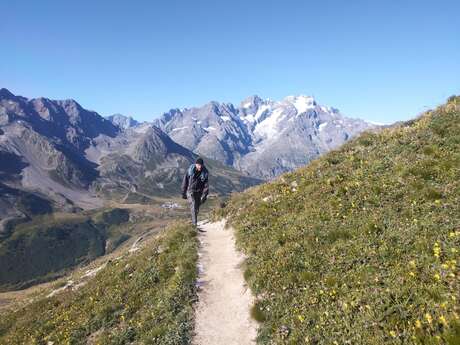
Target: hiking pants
x,y
194,199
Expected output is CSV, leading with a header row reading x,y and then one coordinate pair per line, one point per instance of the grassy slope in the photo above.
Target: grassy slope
x,y
48,244
362,245
145,298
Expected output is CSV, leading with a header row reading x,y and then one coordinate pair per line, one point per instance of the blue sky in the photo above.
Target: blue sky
x,y
379,60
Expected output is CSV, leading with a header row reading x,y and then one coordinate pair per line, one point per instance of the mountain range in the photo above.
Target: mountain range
x,y
262,137
56,155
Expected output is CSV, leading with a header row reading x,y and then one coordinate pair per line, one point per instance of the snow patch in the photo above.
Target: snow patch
x,y
251,118
268,127
226,118
301,103
321,126
178,128
210,128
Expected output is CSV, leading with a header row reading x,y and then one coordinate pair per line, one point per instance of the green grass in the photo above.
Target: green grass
x,y
42,248
145,298
362,245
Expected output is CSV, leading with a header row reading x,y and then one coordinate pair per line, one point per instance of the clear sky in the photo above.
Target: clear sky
x,y
381,60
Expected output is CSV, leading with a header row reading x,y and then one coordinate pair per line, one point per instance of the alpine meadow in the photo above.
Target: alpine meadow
x,y
362,245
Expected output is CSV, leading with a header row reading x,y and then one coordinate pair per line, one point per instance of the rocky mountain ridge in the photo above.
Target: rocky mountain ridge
x,y
262,137
56,155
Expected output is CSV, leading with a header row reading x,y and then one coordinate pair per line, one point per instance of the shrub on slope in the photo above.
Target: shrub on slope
x,y
362,245
145,298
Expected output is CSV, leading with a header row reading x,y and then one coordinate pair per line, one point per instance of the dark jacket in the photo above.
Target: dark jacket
x,y
196,181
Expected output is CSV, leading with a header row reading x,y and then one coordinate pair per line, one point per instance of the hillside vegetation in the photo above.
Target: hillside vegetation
x,y
142,298
40,249
362,245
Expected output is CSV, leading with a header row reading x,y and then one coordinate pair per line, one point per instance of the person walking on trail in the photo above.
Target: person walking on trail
x,y
195,187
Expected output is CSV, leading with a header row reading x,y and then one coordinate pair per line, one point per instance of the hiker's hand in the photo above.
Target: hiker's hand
x,y
202,201
184,196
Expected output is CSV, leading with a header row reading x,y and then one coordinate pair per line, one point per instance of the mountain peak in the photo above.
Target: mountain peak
x,y
305,98
251,101
6,94
122,121
71,107
302,102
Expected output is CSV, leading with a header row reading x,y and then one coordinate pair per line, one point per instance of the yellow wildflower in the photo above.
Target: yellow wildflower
x,y
418,324
436,249
393,334
428,318
443,320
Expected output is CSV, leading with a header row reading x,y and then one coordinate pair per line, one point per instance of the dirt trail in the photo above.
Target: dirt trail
x,y
222,311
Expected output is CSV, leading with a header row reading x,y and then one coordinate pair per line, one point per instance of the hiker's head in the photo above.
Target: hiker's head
x,y
199,163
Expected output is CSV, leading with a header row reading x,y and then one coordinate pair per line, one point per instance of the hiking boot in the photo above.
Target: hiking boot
x,y
198,228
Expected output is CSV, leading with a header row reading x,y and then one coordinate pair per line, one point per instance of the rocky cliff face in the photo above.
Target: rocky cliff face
x,y
42,143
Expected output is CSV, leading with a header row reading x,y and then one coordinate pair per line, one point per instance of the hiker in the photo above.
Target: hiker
x,y
195,187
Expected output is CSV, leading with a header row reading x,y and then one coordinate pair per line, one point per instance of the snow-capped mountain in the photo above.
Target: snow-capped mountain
x,y
262,137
